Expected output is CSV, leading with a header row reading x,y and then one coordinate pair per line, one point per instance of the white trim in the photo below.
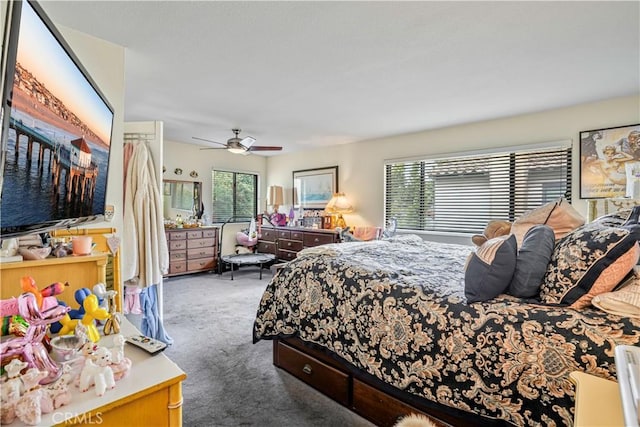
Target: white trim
x,y
560,144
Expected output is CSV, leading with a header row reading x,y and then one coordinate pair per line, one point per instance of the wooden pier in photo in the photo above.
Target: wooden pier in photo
x,y
70,179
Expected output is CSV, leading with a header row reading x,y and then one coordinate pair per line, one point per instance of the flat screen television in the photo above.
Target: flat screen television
x,y
56,130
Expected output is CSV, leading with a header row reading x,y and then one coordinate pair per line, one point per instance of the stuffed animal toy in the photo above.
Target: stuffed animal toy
x,y
494,228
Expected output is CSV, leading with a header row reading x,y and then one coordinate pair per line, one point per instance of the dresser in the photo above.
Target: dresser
x,y
192,250
286,242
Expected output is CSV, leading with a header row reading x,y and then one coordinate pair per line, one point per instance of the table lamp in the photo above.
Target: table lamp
x,y
276,198
338,205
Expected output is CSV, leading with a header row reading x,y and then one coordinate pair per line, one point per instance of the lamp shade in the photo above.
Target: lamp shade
x,y
276,195
339,204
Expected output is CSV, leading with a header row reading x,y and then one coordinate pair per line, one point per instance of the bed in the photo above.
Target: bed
x,y
391,317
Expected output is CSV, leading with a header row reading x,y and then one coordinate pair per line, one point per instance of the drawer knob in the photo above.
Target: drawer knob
x,y
316,240
307,369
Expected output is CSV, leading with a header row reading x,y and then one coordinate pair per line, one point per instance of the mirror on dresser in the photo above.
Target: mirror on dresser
x,y
182,198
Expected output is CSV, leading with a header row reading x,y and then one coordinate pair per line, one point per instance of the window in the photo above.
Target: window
x,y
235,194
461,194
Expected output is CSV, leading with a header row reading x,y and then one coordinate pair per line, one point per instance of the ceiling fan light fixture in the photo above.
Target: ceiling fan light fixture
x,y
236,150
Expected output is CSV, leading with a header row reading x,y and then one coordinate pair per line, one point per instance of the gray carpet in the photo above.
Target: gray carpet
x,y
230,381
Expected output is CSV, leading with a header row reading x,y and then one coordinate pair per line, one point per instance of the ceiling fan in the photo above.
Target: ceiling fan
x,y
237,145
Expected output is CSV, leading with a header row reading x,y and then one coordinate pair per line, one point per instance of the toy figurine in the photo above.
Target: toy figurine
x,y
112,324
85,326
97,371
35,401
119,364
59,391
30,347
12,389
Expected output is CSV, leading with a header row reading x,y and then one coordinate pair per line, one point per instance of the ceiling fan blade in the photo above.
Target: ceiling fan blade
x,y
213,148
264,148
248,141
208,140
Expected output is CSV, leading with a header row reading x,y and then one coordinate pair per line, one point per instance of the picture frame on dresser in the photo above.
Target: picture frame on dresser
x,y
604,156
313,188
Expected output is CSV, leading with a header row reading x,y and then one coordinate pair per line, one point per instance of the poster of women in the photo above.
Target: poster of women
x,y
608,159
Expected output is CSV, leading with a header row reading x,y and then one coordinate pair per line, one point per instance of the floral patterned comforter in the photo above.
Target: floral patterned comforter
x,y
396,309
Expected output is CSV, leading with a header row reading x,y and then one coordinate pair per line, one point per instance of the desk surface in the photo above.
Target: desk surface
x,y
147,374
597,401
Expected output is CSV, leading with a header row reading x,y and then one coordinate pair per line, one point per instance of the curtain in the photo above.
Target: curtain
x,y
145,253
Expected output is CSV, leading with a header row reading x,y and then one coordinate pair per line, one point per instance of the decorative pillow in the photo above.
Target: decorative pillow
x,y
610,277
623,302
367,233
581,257
531,263
615,219
559,215
490,268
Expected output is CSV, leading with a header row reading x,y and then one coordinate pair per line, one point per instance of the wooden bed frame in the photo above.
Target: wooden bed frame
x,y
361,392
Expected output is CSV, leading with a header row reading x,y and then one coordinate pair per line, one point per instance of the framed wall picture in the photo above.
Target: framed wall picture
x,y
313,188
606,156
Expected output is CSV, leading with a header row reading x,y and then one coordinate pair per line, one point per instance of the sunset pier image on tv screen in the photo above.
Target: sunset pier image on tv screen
x,y
58,138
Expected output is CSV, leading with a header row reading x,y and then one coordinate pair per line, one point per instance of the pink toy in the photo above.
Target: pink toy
x,y
59,391
119,364
29,347
12,389
35,401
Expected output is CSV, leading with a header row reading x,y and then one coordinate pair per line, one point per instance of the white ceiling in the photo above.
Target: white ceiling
x,y
310,74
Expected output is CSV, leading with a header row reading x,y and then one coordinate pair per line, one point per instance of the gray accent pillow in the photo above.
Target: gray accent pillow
x,y
490,268
532,261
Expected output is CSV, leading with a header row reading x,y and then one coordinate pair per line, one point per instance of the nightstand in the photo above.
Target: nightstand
x,y
597,401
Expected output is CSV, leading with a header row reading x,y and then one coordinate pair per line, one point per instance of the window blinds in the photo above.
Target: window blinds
x,y
461,194
235,194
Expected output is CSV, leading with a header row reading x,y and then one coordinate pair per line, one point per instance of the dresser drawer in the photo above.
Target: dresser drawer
x,y
266,247
177,235
289,245
194,234
268,235
209,233
386,409
177,256
175,245
283,234
177,267
201,264
315,239
297,235
286,255
326,379
208,252
200,243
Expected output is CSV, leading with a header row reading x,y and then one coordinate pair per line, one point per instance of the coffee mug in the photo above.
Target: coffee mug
x,y
82,245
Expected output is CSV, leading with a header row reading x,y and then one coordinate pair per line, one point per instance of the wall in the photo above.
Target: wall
x,y
189,157
361,172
